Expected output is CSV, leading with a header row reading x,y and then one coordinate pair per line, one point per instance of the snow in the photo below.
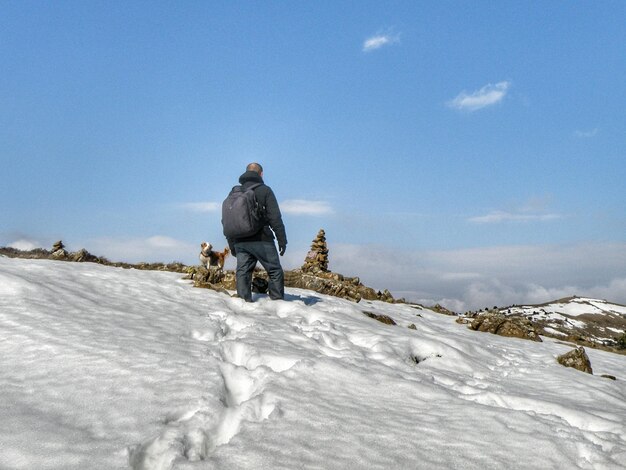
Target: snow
x,y
602,305
572,308
106,368
552,331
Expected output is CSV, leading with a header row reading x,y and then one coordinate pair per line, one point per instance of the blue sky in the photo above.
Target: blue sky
x,y
464,152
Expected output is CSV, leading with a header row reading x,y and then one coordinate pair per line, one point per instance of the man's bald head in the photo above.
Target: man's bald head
x,y
256,167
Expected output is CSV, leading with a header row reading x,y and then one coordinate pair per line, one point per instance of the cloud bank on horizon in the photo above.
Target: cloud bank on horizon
x,y
476,278
503,216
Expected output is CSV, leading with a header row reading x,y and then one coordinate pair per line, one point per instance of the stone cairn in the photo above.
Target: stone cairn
x,y
317,259
58,250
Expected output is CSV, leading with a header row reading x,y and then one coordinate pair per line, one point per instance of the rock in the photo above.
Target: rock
x,y
386,296
444,311
419,359
412,326
381,318
59,254
607,376
84,256
496,323
489,323
58,246
213,278
576,358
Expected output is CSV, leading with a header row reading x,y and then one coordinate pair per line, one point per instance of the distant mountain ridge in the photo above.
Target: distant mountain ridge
x,y
581,319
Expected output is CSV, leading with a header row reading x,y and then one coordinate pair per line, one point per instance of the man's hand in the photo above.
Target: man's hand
x,y
281,249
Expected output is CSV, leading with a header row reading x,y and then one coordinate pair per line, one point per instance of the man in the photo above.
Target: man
x,y
260,246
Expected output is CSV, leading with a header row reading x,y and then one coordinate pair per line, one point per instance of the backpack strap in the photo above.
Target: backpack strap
x,y
260,208
252,187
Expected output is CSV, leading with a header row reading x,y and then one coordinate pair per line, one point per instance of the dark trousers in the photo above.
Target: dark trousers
x,y
248,253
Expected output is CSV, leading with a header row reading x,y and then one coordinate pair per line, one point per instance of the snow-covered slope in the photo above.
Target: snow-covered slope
x,y
106,368
597,321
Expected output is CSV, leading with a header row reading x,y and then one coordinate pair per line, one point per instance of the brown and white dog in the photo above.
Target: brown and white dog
x,y
212,259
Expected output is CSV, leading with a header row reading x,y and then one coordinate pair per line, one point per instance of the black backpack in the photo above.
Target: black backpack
x,y
242,216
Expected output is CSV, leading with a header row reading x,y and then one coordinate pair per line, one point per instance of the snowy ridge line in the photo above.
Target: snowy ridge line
x,y
574,305
585,321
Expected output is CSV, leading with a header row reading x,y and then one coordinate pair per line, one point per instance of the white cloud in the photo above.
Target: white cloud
x,y
159,241
303,207
535,209
201,206
486,96
157,248
24,245
587,134
379,40
502,216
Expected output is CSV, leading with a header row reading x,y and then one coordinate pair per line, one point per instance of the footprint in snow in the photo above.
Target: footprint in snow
x,y
194,434
244,400
233,326
245,373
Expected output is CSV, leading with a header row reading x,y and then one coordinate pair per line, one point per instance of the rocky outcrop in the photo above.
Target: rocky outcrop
x,y
336,285
576,358
327,283
498,324
59,253
215,279
313,276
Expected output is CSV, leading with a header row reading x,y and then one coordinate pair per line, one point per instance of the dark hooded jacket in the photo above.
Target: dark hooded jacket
x,y
273,219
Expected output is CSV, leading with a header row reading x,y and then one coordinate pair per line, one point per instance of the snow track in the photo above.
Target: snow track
x,y
197,432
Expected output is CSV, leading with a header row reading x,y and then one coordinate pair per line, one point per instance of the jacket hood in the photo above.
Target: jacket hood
x,y
250,176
